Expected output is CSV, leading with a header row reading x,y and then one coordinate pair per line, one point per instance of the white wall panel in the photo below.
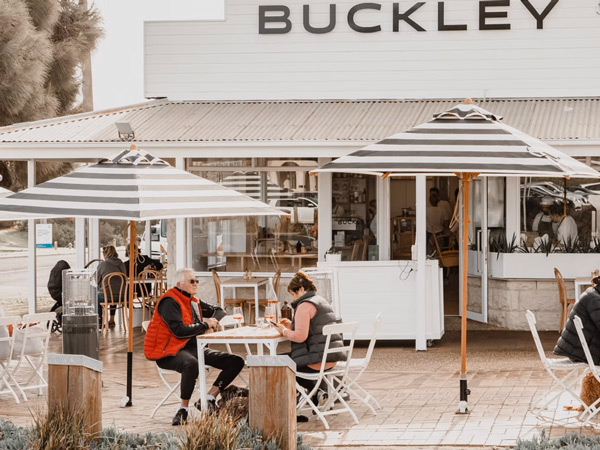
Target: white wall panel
x,y
231,60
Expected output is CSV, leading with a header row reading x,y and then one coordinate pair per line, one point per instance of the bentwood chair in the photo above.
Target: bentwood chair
x,y
274,284
564,301
152,288
114,287
228,301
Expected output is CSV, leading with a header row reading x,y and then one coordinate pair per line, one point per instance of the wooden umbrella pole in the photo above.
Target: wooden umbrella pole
x,y
466,179
130,308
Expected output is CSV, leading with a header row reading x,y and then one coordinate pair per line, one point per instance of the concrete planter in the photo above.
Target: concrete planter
x,y
540,266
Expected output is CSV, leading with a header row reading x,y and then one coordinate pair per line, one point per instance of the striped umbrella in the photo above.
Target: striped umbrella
x,y
133,185
467,141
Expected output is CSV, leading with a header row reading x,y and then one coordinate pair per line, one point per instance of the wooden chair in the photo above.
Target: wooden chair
x,y
152,288
114,287
356,250
447,257
228,301
263,301
564,301
365,248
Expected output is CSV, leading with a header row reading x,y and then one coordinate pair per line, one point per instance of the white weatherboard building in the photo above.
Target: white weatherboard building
x,y
279,88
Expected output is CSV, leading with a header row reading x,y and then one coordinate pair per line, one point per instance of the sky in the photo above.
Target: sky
x,y
118,61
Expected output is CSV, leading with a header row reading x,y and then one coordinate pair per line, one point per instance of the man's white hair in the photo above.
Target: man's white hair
x,y
182,274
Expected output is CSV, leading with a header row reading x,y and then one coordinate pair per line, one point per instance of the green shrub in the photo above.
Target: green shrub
x,y
13,437
571,441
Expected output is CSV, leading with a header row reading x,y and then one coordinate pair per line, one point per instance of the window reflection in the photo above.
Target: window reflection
x,y
260,244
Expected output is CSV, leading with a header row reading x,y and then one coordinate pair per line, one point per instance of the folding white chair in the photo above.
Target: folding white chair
x,y
335,378
7,341
357,366
31,346
163,373
566,383
594,408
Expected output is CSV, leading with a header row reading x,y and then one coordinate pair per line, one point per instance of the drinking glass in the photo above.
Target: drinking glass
x,y
238,314
270,313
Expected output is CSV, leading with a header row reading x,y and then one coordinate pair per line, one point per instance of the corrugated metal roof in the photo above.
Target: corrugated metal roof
x,y
316,120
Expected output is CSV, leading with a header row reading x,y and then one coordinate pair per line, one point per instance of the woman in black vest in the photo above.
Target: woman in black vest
x,y
311,313
588,310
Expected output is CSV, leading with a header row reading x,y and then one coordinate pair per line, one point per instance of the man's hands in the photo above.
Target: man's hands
x,y
213,324
286,323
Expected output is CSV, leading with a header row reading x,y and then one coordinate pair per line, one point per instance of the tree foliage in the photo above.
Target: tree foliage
x,y
42,45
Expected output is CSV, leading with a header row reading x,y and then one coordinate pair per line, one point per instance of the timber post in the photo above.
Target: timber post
x,y
272,402
75,385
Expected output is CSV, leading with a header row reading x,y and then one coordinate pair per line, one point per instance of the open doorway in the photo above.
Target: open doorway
x,y
442,228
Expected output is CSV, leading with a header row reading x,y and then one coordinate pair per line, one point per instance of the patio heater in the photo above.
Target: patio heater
x,y
80,313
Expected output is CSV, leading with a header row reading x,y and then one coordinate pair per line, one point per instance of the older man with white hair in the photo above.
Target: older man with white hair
x,y
170,341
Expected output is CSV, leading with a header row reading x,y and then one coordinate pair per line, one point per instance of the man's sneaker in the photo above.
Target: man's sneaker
x,y
180,417
211,406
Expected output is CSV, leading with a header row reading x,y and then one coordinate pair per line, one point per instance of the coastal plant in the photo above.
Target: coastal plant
x,y
59,429
571,441
43,44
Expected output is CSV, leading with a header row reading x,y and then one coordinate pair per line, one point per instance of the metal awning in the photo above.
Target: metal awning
x,y
185,122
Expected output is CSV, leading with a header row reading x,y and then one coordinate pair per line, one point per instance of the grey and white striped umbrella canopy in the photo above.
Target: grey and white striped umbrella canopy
x,y
133,185
249,183
464,139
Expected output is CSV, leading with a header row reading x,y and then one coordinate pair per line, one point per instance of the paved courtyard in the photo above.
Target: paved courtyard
x,y
418,392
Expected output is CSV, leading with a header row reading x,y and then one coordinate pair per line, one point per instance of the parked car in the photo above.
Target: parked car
x,y
550,189
594,187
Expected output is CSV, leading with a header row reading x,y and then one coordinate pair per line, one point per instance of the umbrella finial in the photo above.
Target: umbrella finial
x,y
468,101
132,147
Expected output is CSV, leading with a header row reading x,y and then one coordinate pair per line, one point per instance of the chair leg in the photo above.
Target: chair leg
x,y
105,315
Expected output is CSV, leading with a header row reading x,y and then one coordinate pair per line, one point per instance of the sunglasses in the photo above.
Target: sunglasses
x,y
194,281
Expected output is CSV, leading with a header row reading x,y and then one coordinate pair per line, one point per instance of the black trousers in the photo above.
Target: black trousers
x,y
309,384
186,363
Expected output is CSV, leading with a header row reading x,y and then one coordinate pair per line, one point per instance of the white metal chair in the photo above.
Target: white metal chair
x,y
29,351
357,366
566,383
7,341
163,374
594,408
335,378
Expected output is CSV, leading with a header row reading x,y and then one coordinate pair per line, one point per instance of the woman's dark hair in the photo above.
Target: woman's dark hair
x,y
301,280
557,209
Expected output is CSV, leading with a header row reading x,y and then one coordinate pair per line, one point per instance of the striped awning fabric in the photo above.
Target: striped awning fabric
x,y
133,185
249,184
464,139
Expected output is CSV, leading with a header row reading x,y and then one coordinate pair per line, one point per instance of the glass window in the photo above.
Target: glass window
x,y
556,217
354,217
260,244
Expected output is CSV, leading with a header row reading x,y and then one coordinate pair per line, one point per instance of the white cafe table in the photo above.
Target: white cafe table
x,y
240,282
581,282
268,337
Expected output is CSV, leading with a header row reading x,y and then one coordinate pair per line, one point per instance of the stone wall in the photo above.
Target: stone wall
x,y
509,300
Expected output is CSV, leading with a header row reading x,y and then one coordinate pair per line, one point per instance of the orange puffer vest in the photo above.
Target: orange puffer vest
x,y
159,341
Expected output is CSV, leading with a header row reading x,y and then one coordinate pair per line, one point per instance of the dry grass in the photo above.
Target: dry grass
x,y
218,431
59,430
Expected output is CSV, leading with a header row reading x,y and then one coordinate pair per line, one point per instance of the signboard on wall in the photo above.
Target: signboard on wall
x,y
347,49
43,235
